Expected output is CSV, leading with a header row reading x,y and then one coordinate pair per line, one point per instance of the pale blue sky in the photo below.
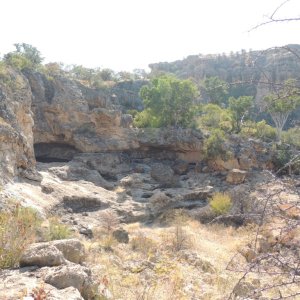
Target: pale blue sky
x,y
128,34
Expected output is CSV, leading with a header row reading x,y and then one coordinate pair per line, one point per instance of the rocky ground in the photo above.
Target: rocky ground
x,y
141,195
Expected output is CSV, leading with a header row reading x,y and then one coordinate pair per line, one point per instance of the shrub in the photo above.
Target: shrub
x,y
214,117
214,145
17,231
259,130
178,238
109,220
57,231
220,203
143,244
292,136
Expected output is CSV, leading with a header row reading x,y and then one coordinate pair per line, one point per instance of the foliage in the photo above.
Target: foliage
x,y
260,130
57,230
239,108
17,231
4,75
281,103
216,90
281,156
168,101
292,136
25,56
220,203
213,116
214,145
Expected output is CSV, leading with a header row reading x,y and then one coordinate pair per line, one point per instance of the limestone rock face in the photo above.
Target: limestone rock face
x,y
69,113
16,138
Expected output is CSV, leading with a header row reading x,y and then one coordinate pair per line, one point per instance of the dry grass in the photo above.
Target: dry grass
x,y
147,268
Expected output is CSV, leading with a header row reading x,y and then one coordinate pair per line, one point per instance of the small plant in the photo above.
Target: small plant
x,y
39,293
108,242
178,239
17,231
57,231
143,244
220,203
109,220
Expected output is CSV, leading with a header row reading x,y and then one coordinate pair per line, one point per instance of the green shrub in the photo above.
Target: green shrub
x,y
214,117
220,203
57,230
214,145
292,136
259,130
17,230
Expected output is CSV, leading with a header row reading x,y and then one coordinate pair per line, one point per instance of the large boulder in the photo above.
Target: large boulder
x,y
72,249
71,275
12,282
41,255
164,175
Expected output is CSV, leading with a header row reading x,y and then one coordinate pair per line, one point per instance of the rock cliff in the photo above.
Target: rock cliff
x,y
16,121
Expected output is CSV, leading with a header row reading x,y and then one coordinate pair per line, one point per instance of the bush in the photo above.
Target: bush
x,y
17,231
214,145
215,117
220,203
57,231
178,238
109,220
259,130
292,136
143,244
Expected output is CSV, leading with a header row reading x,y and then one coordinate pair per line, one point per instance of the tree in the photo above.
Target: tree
x,y
25,56
281,103
239,108
168,101
213,116
216,90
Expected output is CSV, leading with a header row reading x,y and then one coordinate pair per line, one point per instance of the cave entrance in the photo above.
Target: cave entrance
x,y
54,152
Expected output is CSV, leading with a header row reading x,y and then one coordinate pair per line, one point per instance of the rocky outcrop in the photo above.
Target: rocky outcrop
x,y
236,176
57,265
16,138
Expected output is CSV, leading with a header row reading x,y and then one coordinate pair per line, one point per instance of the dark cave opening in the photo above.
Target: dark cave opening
x,y
54,152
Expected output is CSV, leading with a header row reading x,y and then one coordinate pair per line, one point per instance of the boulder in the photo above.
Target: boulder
x,y
41,255
164,175
159,202
236,176
72,249
71,275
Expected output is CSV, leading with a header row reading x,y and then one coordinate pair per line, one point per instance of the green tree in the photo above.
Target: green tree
x,y
168,101
25,56
216,90
213,116
239,108
281,103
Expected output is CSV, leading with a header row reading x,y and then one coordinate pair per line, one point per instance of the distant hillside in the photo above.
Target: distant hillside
x,y
248,73
277,64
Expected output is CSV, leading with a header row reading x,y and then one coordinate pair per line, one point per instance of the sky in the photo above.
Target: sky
x,y
128,34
